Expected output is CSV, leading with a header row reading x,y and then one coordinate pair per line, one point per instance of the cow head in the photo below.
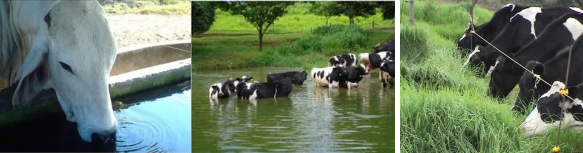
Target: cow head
x,y
504,77
364,61
528,86
299,78
548,111
216,91
73,53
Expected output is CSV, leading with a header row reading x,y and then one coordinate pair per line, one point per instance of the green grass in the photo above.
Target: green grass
x,y
173,7
297,19
445,108
300,43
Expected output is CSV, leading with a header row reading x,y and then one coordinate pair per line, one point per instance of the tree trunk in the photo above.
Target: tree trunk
x,y
260,41
351,19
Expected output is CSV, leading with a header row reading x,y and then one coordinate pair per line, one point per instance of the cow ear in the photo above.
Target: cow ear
x,y
573,92
35,73
538,68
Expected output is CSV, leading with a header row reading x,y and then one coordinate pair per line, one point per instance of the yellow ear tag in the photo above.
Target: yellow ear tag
x,y
556,149
564,92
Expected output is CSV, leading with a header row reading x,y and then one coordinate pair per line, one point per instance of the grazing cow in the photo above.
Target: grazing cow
x,y
219,90
548,113
389,46
488,30
552,70
353,76
296,77
343,60
387,72
64,45
330,77
373,60
280,87
560,34
524,27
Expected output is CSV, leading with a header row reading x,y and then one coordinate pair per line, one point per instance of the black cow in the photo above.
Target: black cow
x,y
353,76
296,77
280,87
488,30
388,46
560,34
387,72
553,70
548,113
343,60
519,32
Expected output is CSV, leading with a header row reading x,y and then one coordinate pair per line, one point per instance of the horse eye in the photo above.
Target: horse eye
x,y
66,67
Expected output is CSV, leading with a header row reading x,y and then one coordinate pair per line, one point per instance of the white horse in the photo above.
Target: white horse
x,y
65,45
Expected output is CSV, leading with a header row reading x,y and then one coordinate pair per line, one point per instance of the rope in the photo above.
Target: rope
x,y
177,48
531,72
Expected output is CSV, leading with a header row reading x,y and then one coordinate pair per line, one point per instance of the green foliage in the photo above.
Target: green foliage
x,y
260,14
414,43
333,37
298,19
357,9
388,9
203,16
326,9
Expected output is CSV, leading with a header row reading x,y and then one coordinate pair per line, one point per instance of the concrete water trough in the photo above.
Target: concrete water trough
x,y
136,68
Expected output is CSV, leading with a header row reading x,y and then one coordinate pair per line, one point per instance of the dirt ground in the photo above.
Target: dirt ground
x,y
134,29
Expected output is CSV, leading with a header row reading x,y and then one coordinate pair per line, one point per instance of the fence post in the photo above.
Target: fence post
x,y
411,13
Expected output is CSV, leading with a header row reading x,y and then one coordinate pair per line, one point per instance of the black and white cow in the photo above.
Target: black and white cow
x,y
552,70
547,113
373,60
344,60
296,77
280,87
388,46
218,90
524,27
353,76
560,34
488,30
225,89
387,72
330,77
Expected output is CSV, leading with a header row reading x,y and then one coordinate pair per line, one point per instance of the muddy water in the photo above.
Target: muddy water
x,y
311,119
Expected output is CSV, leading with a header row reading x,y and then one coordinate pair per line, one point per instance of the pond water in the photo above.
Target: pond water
x,y
153,121
311,119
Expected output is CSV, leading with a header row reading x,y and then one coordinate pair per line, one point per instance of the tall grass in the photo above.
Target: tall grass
x,y
444,108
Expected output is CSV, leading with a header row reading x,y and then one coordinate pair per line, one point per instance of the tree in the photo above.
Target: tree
x,y
326,9
358,8
388,9
260,14
203,16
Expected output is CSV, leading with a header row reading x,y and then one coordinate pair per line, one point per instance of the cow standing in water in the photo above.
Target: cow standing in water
x,y
64,45
343,60
330,77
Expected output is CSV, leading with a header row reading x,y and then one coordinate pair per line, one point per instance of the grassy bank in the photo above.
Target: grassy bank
x,y
445,108
299,39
